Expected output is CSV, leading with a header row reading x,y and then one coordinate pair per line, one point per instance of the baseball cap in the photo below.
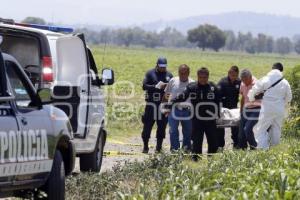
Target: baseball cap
x,y
162,62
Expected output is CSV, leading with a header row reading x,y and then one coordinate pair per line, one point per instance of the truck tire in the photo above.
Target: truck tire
x,y
92,162
55,185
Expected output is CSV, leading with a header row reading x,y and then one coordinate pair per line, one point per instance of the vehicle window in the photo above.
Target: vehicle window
x,y
3,84
92,62
22,96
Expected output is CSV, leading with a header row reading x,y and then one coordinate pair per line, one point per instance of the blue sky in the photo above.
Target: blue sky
x,y
128,12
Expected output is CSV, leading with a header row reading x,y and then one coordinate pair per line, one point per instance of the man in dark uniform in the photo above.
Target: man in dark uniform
x,y
154,84
229,88
205,99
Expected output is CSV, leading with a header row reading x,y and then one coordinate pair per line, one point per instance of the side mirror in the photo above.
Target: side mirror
x,y
45,95
108,77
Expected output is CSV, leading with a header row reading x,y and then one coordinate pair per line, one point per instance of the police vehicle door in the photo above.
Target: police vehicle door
x,y
9,128
31,143
8,133
97,105
73,71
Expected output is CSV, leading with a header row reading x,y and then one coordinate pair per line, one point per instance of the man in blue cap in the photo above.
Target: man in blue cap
x,y
154,83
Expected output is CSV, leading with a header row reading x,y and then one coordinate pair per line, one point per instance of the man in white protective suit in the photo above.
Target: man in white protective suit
x,y
276,96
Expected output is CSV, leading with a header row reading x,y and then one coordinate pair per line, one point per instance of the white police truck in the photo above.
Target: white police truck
x,y
55,58
36,147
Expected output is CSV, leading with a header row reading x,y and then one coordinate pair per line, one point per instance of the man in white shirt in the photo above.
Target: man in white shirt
x,y
277,95
182,112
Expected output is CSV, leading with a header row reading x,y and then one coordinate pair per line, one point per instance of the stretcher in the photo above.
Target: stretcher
x,y
229,118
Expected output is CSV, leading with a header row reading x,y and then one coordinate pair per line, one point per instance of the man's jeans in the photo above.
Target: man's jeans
x,y
182,116
249,118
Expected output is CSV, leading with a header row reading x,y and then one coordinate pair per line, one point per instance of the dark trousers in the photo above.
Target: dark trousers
x,y
234,136
249,118
208,128
152,114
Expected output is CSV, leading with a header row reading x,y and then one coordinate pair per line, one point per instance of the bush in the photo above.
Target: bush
x,y
292,125
294,79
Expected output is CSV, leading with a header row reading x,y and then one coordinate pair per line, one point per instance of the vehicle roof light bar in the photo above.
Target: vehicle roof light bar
x,y
47,27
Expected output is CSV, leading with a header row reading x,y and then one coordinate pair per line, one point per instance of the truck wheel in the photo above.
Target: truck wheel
x,y
55,185
93,161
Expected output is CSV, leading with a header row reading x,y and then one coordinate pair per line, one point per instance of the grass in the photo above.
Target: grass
x,y
273,174
131,64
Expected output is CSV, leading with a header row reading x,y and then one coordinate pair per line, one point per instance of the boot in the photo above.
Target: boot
x,y
146,146
159,145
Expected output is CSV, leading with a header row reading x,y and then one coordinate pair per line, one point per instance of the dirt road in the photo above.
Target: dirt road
x,y
121,151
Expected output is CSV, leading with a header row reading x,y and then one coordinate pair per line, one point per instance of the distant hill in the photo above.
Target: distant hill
x,y
274,25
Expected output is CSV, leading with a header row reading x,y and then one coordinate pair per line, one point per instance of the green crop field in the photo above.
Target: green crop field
x,y
240,175
234,174
125,98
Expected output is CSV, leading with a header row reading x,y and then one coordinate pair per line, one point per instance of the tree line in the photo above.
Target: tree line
x,y
204,37
260,44
169,37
